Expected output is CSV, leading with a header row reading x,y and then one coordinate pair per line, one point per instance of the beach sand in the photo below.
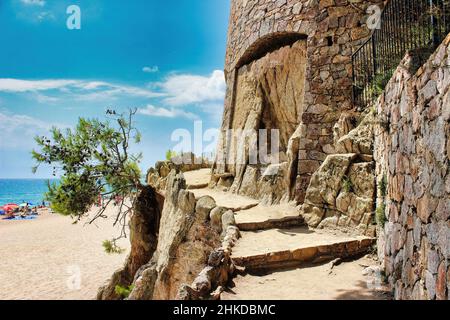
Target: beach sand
x,y
50,258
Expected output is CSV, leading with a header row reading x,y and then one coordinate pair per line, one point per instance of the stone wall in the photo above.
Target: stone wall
x,y
157,176
331,30
412,151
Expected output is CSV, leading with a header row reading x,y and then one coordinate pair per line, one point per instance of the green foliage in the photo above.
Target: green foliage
x,y
382,186
93,160
380,216
170,154
380,81
124,292
111,247
347,184
72,195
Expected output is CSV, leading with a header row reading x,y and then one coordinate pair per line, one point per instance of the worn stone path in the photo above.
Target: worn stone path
x,y
277,251
274,248
266,217
197,179
319,281
227,200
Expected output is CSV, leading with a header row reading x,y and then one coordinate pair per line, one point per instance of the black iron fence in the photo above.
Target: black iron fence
x,y
418,25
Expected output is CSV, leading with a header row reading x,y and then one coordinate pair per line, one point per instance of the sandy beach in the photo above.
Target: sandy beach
x,y
51,258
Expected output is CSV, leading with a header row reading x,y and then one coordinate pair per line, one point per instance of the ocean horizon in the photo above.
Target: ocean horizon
x,y
32,190
23,190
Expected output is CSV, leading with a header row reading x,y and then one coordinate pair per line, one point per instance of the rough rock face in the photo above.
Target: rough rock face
x,y
269,96
269,185
359,140
270,90
184,243
412,152
303,93
219,270
341,192
157,176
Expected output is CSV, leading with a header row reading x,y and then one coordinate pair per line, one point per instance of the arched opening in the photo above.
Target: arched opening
x,y
268,43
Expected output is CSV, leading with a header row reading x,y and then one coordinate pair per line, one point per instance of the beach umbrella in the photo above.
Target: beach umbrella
x,y
22,205
10,206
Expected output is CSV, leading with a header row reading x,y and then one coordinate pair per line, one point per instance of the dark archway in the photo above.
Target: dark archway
x,y
268,43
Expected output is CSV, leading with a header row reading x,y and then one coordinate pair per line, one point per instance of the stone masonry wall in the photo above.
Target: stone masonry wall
x,y
333,29
412,152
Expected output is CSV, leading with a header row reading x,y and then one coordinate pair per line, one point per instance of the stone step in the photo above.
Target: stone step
x,y
267,217
197,179
227,200
323,281
279,248
196,186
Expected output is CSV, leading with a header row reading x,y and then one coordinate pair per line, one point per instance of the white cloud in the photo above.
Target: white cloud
x,y
151,110
39,3
17,85
42,98
92,85
45,15
35,11
213,109
136,91
204,93
18,131
76,89
150,69
185,89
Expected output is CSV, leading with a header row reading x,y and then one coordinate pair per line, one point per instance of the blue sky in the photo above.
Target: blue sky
x,y
163,57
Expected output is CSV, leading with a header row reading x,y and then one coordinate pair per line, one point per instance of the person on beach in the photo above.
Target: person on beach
x,y
10,214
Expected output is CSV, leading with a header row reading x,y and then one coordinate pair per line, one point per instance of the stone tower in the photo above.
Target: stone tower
x,y
288,67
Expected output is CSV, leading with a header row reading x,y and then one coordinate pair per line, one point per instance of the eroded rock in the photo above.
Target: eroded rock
x,y
179,255
144,228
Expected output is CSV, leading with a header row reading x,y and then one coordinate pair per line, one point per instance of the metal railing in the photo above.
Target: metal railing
x,y
405,25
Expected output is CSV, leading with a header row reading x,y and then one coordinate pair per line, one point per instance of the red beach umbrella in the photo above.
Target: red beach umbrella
x,y
10,206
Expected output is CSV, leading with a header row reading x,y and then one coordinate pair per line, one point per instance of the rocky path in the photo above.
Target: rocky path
x,y
322,281
197,179
281,258
275,248
263,218
229,201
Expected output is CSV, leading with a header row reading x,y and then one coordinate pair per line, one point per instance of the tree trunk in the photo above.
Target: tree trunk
x,y
144,228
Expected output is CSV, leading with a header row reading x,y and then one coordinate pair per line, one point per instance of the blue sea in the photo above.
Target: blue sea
x,y
23,190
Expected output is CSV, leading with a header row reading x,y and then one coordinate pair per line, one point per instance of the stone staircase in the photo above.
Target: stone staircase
x,y
197,179
229,201
274,238
268,217
279,248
